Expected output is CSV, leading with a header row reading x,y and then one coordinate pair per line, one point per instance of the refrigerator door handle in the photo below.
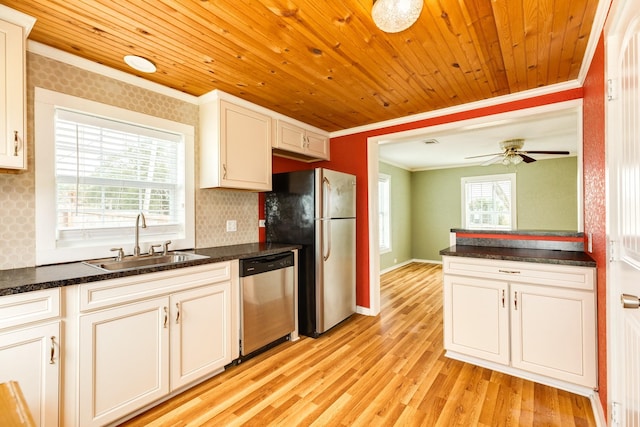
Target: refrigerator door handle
x,y
325,216
326,205
327,230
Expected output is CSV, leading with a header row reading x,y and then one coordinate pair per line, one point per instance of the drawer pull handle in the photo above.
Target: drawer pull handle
x,y
503,298
509,271
515,300
53,351
177,313
15,143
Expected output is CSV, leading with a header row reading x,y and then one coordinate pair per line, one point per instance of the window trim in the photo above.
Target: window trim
x,y
489,178
45,103
383,177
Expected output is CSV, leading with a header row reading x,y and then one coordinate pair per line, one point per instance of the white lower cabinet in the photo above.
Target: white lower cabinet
x,y
177,330
476,319
30,350
124,360
200,330
30,356
535,318
553,333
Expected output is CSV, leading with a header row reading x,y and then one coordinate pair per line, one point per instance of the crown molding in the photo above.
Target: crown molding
x,y
94,67
491,102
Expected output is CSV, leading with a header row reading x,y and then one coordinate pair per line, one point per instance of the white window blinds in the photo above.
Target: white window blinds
x,y
108,171
489,202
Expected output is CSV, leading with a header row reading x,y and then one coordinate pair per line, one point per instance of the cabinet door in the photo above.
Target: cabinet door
x,y
245,148
553,332
290,137
317,145
124,360
476,318
200,332
12,110
30,356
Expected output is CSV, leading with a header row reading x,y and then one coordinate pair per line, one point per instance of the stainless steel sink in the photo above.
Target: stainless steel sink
x,y
142,261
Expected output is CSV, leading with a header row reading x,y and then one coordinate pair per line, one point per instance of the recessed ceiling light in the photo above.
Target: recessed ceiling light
x,y
139,63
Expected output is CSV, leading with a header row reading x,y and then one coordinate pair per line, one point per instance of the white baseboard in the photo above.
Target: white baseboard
x,y
402,264
598,412
364,310
427,261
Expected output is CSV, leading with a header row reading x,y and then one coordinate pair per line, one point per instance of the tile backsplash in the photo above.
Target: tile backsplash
x,y
17,190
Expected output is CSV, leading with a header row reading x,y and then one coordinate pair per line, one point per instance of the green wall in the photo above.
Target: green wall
x,y
400,216
546,200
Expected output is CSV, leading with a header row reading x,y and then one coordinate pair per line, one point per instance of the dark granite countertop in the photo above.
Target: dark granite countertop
x,y
556,233
28,279
576,258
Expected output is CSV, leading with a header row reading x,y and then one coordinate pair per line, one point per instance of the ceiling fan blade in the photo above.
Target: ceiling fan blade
x,y
484,155
526,158
547,152
496,159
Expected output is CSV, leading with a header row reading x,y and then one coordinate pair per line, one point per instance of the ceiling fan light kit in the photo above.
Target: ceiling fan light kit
x,y
393,16
512,153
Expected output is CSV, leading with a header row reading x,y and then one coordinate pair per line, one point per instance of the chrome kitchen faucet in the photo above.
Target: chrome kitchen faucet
x,y
136,248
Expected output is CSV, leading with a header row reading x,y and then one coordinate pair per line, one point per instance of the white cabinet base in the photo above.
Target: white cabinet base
x,y
541,379
533,318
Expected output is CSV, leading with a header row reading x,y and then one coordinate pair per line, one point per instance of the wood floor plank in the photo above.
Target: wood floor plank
x,y
387,370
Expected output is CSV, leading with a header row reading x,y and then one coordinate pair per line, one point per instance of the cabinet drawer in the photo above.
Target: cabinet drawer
x,y
108,293
28,307
514,271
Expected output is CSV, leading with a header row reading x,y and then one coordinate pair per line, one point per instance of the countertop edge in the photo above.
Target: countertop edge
x,y
29,279
578,259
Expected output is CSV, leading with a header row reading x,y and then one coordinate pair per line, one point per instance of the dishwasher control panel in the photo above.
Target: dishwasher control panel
x,y
262,264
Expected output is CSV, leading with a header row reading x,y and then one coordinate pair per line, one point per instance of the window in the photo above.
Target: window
x,y
384,207
489,202
98,168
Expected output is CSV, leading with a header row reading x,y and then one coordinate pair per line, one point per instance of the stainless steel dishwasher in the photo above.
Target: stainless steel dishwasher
x,y
267,292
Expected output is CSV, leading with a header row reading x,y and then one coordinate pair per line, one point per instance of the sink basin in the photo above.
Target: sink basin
x,y
136,262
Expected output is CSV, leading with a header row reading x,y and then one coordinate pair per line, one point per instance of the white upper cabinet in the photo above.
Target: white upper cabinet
x,y
235,144
14,27
299,143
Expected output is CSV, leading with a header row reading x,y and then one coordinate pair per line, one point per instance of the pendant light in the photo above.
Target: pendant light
x,y
393,16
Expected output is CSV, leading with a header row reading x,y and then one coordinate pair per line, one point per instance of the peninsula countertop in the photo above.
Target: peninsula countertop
x,y
29,279
576,258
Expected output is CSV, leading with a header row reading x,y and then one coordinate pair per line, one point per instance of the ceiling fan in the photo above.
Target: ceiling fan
x,y
512,153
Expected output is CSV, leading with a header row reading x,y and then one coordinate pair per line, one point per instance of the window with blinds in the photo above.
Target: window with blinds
x,y
489,202
107,172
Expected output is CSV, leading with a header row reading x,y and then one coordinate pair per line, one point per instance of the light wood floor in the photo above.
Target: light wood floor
x,y
379,371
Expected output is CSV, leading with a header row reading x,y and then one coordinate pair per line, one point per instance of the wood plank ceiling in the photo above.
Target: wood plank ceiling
x,y
325,62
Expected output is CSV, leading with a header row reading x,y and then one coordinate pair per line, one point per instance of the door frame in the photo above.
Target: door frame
x,y
619,18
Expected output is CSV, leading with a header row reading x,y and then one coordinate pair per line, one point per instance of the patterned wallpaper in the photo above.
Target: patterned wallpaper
x,y
17,190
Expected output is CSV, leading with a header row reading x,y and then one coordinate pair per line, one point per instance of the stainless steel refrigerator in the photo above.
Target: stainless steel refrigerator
x,y
317,209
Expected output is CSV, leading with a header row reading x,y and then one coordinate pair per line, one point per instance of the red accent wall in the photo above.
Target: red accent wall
x,y
349,154
595,196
